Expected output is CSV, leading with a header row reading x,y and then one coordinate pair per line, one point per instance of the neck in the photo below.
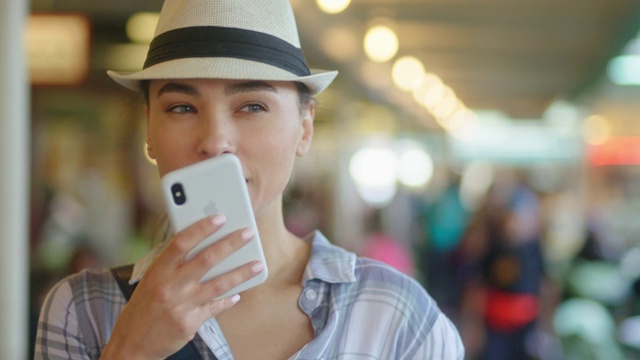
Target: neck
x,y
286,254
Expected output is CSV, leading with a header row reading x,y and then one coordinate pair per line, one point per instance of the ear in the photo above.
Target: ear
x,y
150,148
304,144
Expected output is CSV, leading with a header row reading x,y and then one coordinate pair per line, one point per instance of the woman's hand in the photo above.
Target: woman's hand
x,y
169,304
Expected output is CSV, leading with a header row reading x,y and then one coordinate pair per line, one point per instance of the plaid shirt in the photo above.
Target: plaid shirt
x,y
359,309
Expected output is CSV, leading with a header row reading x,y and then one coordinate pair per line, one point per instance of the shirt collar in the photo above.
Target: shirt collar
x,y
327,262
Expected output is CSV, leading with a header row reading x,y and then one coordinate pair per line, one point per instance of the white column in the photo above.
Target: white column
x,y
14,181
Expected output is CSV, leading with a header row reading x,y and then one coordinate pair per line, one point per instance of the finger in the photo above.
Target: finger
x,y
215,307
185,240
215,253
223,283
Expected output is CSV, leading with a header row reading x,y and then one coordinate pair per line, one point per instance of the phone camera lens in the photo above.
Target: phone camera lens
x,y
178,194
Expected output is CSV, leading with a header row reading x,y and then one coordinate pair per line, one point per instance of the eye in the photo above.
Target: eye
x,y
253,108
181,109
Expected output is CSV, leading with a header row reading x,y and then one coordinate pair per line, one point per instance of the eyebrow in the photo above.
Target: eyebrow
x,y
249,86
179,88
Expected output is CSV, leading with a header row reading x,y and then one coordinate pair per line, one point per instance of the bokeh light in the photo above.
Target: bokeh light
x,y
141,27
428,81
380,43
333,6
445,106
407,73
624,70
596,130
415,167
374,170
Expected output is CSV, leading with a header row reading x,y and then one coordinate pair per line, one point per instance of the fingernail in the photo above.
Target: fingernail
x,y
235,298
247,234
218,220
257,267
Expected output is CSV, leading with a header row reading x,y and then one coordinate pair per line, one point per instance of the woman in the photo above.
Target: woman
x,y
228,76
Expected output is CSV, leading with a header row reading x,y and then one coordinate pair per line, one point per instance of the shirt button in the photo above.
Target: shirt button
x,y
311,294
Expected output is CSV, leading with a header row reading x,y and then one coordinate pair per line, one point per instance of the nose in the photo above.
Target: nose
x,y
216,137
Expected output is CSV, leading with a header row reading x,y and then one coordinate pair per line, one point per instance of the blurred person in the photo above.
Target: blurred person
x,y
380,245
468,259
444,222
513,272
228,76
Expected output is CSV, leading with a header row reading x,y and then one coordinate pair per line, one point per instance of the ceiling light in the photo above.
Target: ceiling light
x,y
463,123
374,171
433,95
407,73
446,105
333,6
380,43
428,81
415,167
624,70
141,27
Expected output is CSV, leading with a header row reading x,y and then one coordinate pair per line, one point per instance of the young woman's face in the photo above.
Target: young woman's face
x,y
261,122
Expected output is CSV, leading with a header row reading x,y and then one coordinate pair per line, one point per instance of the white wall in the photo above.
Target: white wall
x,y
14,182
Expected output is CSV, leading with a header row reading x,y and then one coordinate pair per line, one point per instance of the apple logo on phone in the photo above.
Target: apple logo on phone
x,y
211,208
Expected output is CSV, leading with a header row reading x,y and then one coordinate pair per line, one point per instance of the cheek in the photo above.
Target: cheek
x,y
170,149
275,154
283,143
286,158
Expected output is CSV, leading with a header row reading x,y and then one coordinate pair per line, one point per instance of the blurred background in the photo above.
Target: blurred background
x,y
488,148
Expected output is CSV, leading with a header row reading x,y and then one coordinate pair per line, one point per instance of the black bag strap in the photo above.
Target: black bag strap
x,y
122,274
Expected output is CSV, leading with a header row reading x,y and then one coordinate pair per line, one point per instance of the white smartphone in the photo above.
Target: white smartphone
x,y
209,187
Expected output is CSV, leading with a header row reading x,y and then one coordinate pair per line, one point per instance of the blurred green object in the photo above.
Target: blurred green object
x,y
629,332
601,281
586,331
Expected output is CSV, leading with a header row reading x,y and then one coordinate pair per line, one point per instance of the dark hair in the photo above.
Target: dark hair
x,y
144,88
304,93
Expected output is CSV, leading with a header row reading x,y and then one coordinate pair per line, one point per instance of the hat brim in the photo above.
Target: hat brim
x,y
221,68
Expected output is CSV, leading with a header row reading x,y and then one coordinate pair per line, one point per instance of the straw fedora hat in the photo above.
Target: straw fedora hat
x,y
226,39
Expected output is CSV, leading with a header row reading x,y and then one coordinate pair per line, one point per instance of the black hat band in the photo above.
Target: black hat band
x,y
214,41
